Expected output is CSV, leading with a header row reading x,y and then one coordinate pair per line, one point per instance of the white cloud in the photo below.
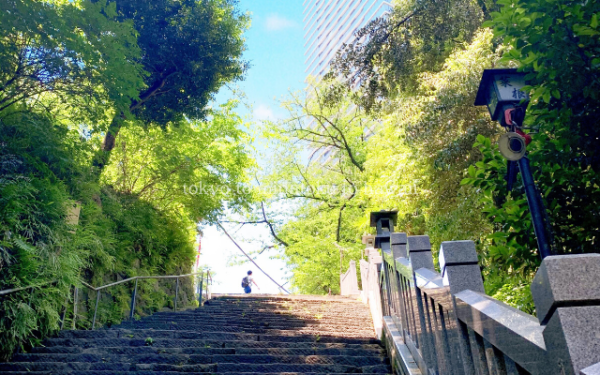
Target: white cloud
x,y
276,22
263,112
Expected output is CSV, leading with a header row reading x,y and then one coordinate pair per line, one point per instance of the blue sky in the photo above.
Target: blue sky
x,y
275,50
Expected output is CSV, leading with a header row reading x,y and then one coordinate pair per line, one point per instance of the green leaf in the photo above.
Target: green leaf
x,y
546,96
524,22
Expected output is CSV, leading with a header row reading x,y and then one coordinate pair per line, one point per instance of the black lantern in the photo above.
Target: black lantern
x,y
500,88
384,222
501,91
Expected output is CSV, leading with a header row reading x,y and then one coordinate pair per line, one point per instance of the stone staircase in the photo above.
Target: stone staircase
x,y
229,335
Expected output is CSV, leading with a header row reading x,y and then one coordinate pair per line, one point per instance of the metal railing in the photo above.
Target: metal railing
x,y
204,277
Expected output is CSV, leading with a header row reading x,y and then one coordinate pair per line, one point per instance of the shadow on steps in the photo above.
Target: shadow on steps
x,y
230,335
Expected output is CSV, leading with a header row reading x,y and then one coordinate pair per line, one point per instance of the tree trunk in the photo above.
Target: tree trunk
x,y
102,157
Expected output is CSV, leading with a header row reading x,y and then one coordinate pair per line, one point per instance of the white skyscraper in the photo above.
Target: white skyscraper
x,y
330,23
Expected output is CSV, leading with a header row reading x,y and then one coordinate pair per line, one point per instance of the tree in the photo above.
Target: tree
x,y
317,169
194,168
417,36
76,50
68,66
190,48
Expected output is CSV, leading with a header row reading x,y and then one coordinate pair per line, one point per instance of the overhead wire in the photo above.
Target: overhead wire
x,y
252,260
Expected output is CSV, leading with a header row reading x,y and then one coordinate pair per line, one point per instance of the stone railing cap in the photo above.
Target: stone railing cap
x,y
457,253
418,243
564,280
591,370
398,238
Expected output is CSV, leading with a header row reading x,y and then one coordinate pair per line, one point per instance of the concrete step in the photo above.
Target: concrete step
x,y
165,373
287,320
199,343
189,359
268,314
367,350
77,367
288,336
230,335
307,330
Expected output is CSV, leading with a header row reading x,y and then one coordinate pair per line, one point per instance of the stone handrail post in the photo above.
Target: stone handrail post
x,y
460,266
460,271
566,292
399,241
349,281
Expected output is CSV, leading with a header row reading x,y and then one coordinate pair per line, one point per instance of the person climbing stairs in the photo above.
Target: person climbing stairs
x,y
228,335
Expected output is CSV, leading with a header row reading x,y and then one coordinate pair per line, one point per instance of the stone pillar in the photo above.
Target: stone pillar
x,y
369,241
419,251
349,281
399,241
460,266
566,292
370,250
460,271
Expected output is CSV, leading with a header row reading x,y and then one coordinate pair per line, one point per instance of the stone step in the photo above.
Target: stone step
x,y
245,329
265,314
285,299
248,323
166,373
199,343
134,350
226,336
191,359
289,306
246,319
78,367
230,335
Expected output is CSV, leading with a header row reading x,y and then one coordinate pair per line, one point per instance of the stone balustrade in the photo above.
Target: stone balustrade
x,y
444,323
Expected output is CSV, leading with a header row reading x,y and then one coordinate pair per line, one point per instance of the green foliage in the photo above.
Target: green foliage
x,y
66,69
424,149
387,56
36,245
513,290
557,45
190,48
320,185
418,77
190,167
76,50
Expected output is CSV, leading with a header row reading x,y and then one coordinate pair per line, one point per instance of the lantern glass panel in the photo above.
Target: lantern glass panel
x,y
509,87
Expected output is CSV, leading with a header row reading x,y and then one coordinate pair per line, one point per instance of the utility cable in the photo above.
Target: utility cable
x,y
252,260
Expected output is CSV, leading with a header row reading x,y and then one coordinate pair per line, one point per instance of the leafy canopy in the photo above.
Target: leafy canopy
x,y
77,50
189,48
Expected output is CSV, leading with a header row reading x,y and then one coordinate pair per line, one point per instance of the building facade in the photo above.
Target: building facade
x,y
328,24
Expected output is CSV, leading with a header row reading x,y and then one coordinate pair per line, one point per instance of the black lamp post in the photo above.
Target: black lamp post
x,y
500,91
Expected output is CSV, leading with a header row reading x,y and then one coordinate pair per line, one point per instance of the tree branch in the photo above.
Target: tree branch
x,y
262,206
